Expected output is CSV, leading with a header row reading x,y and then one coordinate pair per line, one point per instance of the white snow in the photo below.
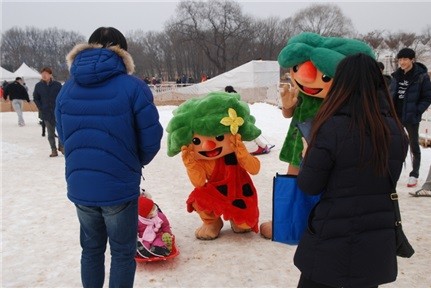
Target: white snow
x,y
40,231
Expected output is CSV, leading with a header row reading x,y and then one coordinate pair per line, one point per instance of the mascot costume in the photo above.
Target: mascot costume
x,y
209,132
312,60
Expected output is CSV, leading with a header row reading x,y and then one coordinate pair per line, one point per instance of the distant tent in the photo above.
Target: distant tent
x,y
6,75
255,81
26,71
30,76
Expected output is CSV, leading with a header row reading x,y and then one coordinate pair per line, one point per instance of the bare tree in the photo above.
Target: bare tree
x,y
374,38
324,19
218,28
271,35
38,48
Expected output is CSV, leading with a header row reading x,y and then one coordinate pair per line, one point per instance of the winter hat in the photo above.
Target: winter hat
x,y
214,114
145,206
406,53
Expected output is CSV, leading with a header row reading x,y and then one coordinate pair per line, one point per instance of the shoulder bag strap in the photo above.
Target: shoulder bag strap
x,y
394,198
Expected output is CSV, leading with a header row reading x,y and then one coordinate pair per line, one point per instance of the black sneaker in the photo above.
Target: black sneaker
x,y
160,251
142,251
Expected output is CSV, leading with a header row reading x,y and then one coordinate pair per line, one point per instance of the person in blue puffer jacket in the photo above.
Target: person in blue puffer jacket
x,y
110,129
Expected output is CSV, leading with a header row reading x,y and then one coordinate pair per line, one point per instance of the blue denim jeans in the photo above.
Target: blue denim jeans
x,y
118,224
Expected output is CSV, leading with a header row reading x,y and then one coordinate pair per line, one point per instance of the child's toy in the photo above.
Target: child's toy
x,y
155,240
209,132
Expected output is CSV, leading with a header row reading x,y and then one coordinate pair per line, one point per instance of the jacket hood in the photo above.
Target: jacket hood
x,y
91,64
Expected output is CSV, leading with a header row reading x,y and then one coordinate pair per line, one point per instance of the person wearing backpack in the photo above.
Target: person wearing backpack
x,y
411,92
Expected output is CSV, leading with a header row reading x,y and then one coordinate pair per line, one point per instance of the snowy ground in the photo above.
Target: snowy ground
x,y
40,231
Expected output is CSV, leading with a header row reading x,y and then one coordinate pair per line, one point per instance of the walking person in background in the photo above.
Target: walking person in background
x,y
44,95
110,128
262,148
357,148
425,191
411,92
17,93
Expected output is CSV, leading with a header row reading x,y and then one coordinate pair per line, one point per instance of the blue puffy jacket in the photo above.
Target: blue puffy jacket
x,y
108,124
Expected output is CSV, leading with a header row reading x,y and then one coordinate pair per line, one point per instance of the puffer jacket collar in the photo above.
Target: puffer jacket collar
x,y
91,63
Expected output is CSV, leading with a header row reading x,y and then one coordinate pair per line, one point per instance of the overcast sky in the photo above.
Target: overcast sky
x,y
86,16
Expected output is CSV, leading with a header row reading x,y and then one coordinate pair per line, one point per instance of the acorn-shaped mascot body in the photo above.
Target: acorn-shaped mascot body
x,y
209,132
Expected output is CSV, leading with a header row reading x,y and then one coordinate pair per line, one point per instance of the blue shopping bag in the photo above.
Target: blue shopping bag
x,y
291,208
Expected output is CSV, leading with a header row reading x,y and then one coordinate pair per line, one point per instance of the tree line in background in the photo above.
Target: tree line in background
x,y
202,38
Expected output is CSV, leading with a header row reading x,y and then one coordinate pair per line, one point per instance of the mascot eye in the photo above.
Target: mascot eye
x,y
326,78
220,137
295,68
196,141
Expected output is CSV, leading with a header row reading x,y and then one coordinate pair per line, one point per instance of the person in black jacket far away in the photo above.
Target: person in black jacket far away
x,y
17,94
411,92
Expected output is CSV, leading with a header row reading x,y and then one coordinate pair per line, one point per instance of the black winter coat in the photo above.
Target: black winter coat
x,y
45,95
16,90
350,240
417,97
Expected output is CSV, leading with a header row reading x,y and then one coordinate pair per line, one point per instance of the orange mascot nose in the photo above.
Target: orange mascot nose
x,y
208,145
307,72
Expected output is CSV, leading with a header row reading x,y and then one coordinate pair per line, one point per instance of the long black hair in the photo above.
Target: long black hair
x,y
359,84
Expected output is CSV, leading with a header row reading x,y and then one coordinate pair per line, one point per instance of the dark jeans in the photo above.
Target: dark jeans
x,y
118,224
51,135
415,151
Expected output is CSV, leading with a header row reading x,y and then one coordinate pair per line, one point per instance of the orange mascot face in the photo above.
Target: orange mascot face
x,y
211,148
310,80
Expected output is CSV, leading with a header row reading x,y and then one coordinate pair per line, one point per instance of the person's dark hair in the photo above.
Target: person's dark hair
x,y
108,36
381,65
18,78
406,53
229,89
46,69
359,84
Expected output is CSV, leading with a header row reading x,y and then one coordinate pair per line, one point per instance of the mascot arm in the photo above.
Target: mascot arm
x,y
247,161
289,100
197,170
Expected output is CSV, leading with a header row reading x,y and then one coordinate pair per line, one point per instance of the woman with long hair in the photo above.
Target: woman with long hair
x,y
355,155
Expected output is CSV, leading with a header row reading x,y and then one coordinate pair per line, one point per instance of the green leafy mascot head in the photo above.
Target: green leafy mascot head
x,y
215,114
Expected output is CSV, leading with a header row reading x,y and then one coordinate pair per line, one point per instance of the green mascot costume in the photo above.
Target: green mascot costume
x,y
312,60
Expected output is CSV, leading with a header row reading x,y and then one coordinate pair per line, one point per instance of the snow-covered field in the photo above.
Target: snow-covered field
x,y
40,231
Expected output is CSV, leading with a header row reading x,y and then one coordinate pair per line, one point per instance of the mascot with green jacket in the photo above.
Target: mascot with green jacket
x,y
312,60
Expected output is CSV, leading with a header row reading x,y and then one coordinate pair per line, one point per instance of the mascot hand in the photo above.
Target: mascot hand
x,y
249,162
238,147
289,99
188,155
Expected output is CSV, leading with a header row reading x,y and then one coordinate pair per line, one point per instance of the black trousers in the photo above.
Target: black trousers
x,y
307,283
415,150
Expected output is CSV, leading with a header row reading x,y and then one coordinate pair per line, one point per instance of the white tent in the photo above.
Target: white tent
x,y
255,81
30,76
6,75
26,71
